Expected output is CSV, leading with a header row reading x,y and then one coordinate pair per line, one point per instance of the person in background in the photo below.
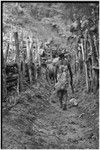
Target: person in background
x,y
65,59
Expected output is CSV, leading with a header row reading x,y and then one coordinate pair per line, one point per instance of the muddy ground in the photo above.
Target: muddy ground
x,y
32,121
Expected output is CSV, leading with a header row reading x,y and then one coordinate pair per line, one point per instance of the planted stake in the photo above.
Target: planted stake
x,y
19,85
4,71
86,73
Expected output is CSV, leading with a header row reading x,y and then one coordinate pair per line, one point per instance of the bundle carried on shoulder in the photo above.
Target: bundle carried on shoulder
x,y
55,61
61,82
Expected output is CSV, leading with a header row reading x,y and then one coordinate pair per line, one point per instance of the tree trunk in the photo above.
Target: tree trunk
x,y
34,61
28,61
94,63
23,57
86,73
71,77
6,54
23,71
38,49
35,71
38,59
76,63
96,50
19,84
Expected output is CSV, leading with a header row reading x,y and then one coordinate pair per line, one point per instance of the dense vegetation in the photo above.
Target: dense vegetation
x,y
32,35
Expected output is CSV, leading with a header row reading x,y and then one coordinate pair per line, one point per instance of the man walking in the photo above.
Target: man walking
x,y
64,78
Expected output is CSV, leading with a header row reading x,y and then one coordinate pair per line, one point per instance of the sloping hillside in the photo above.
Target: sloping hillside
x,y
32,121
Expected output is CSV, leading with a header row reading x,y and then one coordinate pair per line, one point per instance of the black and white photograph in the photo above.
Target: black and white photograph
x,y
50,75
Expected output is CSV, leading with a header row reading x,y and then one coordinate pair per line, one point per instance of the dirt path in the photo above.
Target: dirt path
x,y
36,123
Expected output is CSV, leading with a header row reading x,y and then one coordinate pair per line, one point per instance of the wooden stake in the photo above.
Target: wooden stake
x,y
83,54
4,71
28,60
19,86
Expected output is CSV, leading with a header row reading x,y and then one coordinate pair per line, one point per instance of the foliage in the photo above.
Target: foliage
x,y
45,20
